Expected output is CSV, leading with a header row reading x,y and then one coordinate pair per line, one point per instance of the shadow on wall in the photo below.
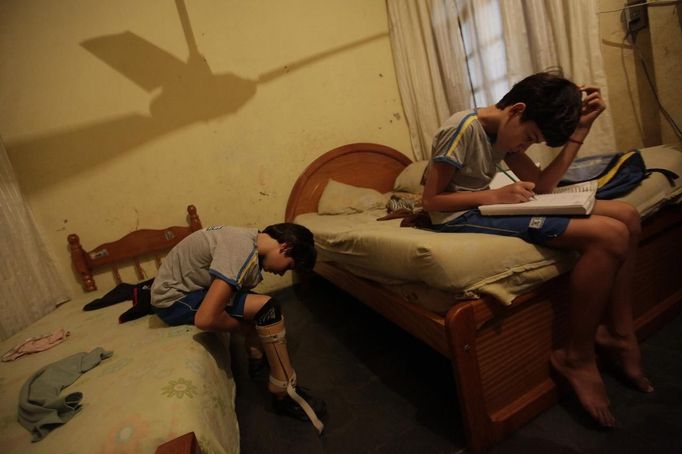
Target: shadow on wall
x,y
189,93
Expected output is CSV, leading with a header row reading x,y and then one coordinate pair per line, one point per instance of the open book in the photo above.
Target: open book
x,y
576,199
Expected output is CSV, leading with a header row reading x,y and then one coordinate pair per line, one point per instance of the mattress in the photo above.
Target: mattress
x,y
160,383
463,265
466,265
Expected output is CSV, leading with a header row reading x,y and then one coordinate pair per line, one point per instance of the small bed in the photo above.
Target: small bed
x,y
160,383
496,310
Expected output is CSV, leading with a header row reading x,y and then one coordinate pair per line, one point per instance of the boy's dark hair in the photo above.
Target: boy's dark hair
x,y
552,102
300,241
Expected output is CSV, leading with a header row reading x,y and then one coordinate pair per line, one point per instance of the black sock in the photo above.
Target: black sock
x,y
142,298
122,292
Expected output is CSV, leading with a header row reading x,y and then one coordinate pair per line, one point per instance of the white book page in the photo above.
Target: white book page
x,y
559,199
587,186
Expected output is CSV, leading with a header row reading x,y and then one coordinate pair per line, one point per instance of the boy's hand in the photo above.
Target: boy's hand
x,y
521,191
593,106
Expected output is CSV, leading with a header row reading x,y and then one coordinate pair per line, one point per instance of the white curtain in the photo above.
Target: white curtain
x,y
30,285
452,55
541,34
429,56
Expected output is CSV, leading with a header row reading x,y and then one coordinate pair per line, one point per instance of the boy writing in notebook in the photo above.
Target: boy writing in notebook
x,y
465,152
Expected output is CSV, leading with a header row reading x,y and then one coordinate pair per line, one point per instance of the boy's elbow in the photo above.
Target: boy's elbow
x,y
202,322
427,204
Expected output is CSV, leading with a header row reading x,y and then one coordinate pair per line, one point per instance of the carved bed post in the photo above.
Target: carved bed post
x,y
78,258
194,221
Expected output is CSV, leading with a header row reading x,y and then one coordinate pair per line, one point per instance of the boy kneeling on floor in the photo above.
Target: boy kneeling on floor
x,y
205,280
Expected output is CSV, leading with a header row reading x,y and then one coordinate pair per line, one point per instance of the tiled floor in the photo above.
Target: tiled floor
x,y
388,393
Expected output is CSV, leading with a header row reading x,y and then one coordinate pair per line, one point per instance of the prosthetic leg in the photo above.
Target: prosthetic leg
x,y
282,376
258,363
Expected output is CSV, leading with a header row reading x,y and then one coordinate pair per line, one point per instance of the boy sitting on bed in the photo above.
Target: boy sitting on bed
x,y
465,152
205,280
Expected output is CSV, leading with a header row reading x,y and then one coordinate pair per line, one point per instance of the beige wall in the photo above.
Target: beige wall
x,y
113,124
637,119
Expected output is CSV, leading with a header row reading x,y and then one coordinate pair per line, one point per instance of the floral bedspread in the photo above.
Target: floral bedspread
x,y
160,383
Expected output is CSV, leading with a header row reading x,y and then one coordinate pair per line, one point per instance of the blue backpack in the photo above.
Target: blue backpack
x,y
617,174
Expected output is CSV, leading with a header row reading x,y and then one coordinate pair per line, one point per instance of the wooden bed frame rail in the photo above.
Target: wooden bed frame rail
x,y
499,355
131,247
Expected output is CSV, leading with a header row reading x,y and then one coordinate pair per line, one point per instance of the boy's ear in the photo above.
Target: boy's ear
x,y
517,108
283,247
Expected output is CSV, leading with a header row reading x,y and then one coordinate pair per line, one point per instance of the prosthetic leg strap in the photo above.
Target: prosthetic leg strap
x,y
279,338
290,385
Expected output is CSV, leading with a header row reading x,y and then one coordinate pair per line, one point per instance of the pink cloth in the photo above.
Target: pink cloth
x,y
36,344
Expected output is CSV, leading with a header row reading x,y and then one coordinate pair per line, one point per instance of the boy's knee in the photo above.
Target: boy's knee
x,y
633,220
268,314
616,239
628,215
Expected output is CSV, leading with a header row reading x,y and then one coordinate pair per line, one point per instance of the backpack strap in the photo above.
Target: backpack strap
x,y
669,174
613,167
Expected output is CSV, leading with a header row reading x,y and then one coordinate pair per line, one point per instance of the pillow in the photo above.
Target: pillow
x,y
340,198
410,178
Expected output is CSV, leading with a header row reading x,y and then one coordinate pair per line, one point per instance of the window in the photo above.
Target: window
x,y
481,27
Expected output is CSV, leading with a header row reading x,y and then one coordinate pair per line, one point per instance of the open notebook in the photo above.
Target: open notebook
x,y
576,199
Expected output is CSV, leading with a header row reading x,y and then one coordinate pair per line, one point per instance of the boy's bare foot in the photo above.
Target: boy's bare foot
x,y
623,353
588,386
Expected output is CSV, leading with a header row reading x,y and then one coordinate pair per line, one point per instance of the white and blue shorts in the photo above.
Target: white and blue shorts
x,y
182,311
533,229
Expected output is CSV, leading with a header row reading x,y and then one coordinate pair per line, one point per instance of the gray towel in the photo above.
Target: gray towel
x,y
40,407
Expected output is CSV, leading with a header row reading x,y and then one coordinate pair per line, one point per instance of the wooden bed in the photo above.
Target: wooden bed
x,y
126,251
499,354
140,398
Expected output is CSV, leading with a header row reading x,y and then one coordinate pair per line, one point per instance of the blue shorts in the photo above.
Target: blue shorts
x,y
183,310
533,229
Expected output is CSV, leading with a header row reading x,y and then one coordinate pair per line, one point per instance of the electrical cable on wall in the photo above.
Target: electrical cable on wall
x,y
635,5
631,36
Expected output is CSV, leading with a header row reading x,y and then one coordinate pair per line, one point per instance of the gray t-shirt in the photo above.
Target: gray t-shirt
x,y
222,252
463,143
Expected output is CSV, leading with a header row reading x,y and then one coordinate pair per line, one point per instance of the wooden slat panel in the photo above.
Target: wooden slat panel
x,y
140,243
658,270
514,351
137,243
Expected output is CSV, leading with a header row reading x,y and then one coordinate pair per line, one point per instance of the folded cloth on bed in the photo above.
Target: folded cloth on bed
x,y
41,409
36,344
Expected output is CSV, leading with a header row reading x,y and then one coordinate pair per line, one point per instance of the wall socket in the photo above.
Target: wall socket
x,y
635,19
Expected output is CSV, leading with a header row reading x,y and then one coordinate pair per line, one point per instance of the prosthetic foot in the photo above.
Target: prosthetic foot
x,y
289,399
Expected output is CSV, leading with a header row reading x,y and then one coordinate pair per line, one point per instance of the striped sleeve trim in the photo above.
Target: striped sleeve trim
x,y
457,136
221,276
448,160
247,267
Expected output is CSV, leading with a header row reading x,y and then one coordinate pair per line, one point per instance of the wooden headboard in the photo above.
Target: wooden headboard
x,y
131,247
360,164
